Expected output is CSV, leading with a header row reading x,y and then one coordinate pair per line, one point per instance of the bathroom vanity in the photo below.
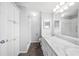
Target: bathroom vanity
x,y
56,46
64,39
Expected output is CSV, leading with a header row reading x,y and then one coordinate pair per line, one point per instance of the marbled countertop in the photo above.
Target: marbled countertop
x,y
60,45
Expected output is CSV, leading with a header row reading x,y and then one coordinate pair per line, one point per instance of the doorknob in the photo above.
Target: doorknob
x,y
2,41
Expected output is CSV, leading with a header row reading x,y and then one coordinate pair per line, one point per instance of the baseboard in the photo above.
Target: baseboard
x,y
28,46
22,51
35,41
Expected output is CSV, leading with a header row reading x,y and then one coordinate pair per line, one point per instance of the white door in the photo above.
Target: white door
x,y
9,30
3,37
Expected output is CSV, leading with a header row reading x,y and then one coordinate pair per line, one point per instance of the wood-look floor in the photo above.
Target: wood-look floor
x,y
34,50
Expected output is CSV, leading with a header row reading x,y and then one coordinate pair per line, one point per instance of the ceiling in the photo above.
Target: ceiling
x,y
38,6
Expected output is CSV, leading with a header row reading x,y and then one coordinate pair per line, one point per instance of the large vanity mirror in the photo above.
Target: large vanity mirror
x,y
68,24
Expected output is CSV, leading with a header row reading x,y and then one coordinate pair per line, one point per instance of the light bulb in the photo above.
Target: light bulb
x,y
61,10
62,3
54,10
34,14
72,3
57,7
66,7
62,15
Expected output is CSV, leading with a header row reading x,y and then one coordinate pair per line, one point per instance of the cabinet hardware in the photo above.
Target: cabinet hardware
x,y
2,41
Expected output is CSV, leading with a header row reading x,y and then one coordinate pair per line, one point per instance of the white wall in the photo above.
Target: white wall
x,y
24,29
35,27
29,28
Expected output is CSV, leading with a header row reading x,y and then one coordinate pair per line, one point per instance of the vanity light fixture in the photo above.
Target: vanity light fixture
x,y
61,10
66,7
61,7
57,7
62,15
34,14
72,3
62,3
47,20
54,10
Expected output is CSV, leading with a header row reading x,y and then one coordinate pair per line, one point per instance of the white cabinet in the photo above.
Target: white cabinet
x,y
56,46
47,50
